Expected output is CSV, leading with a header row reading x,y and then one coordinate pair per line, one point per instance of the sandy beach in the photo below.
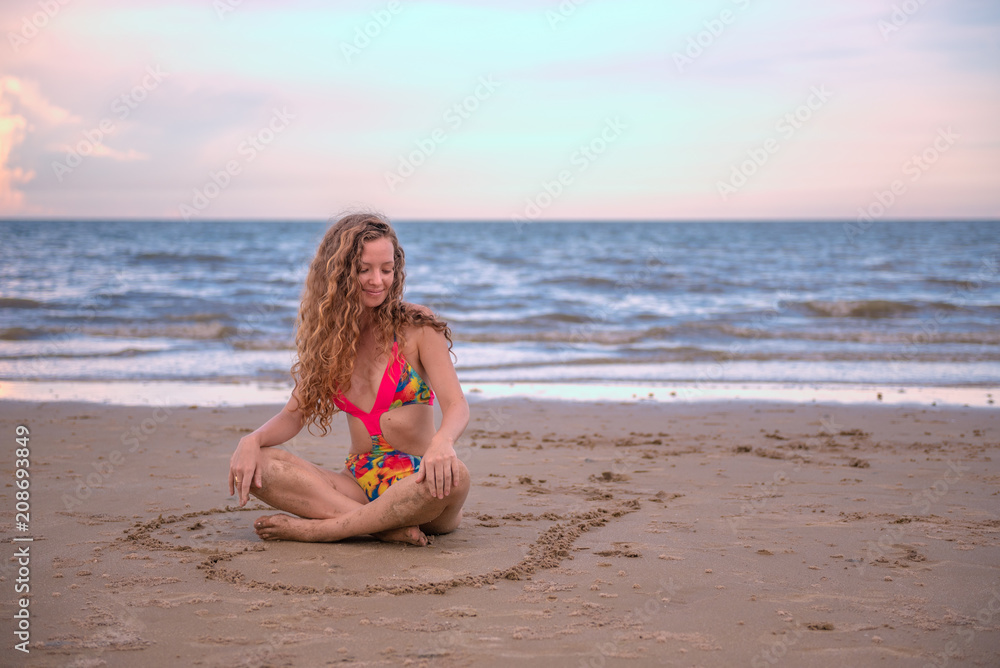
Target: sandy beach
x,y
707,534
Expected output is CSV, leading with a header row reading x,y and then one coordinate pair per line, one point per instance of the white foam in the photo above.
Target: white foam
x,y
182,393
703,392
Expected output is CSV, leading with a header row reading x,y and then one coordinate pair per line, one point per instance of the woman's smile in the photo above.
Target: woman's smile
x,y
377,271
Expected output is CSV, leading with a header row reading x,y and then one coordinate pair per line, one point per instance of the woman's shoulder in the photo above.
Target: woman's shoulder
x,y
420,320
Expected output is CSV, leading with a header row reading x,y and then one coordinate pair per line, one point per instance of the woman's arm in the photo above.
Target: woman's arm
x,y
244,466
440,465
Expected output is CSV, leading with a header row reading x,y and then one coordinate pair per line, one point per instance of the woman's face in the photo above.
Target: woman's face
x,y
377,271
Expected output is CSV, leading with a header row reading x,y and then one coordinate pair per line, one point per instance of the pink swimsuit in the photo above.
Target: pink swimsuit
x,y
401,385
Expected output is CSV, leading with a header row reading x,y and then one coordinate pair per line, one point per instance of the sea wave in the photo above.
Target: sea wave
x,y
865,308
952,283
247,343
984,338
65,353
169,257
197,331
704,356
18,334
588,333
547,319
595,334
196,317
586,282
19,302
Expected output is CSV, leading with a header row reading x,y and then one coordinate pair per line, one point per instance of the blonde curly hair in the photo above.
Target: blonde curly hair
x,y
328,325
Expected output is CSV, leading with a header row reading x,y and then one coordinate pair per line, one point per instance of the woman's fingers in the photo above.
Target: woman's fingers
x,y
244,490
234,481
441,475
447,479
232,474
433,476
239,483
441,472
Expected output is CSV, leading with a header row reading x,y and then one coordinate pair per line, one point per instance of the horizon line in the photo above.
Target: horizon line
x,y
65,219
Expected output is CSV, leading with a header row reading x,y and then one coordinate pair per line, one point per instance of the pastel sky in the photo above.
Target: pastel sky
x,y
593,109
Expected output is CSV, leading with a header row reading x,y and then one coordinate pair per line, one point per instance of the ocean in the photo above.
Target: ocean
x,y
909,304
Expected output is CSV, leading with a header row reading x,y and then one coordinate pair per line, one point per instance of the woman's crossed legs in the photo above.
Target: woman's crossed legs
x,y
331,506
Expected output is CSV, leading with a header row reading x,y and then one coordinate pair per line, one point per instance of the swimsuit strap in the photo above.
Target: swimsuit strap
x,y
383,398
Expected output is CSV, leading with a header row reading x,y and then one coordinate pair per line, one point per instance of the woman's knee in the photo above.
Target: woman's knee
x,y
444,523
464,479
274,454
276,462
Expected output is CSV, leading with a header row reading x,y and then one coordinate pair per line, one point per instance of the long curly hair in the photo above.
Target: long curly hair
x,y
331,314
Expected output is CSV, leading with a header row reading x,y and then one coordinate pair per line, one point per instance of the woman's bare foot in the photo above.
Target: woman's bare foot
x,y
410,535
285,527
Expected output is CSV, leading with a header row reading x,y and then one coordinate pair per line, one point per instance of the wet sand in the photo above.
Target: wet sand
x,y
686,534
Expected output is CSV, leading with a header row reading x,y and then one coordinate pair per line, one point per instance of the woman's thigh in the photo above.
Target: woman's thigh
x,y
342,481
345,483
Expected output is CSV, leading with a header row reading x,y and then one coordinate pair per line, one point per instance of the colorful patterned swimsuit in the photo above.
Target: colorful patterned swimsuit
x,y
401,385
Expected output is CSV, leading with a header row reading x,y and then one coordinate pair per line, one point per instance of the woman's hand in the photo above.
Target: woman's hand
x,y
244,468
440,468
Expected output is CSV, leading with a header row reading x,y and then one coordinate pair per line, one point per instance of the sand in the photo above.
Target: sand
x,y
708,534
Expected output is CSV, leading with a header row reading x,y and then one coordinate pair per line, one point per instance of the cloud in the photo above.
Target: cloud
x,y
28,96
12,130
19,102
99,150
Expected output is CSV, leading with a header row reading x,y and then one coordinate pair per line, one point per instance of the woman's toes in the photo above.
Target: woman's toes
x,y
270,527
410,535
415,536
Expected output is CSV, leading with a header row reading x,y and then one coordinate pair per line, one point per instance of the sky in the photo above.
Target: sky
x,y
502,109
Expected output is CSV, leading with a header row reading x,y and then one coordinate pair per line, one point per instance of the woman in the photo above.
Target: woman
x,y
360,345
